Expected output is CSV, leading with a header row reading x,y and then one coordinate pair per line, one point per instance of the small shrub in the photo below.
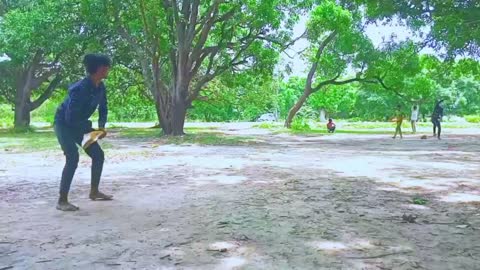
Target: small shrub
x,y
472,118
6,116
419,201
265,125
300,124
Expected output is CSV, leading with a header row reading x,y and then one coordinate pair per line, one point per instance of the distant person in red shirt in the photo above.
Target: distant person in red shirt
x,y
331,126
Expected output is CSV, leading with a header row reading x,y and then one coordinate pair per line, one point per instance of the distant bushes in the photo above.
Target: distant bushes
x,y
472,118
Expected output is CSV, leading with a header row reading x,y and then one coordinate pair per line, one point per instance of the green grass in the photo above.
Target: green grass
x,y
32,140
340,131
390,125
473,118
26,141
43,139
146,133
419,201
195,135
266,125
372,125
139,133
209,139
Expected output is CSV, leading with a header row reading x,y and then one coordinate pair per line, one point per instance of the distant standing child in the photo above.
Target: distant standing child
x,y
331,126
414,118
437,118
399,120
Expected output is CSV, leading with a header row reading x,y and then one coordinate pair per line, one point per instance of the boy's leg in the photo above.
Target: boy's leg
x,y
400,131
96,153
70,150
434,127
439,129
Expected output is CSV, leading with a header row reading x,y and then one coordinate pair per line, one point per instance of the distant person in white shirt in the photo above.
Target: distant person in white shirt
x,y
414,118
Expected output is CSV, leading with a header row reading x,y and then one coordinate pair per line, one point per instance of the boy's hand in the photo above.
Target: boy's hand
x,y
104,133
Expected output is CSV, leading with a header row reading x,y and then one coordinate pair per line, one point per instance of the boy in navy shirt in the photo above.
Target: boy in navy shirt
x,y
71,123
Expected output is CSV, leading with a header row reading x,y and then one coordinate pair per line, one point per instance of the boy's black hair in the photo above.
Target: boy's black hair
x,y
330,119
94,61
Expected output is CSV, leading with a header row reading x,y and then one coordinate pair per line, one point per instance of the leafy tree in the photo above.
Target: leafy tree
x,y
336,101
40,38
235,97
337,46
180,46
453,24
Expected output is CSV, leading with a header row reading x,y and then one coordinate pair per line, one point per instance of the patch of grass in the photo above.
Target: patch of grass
x,y
208,139
472,118
265,125
375,125
447,125
140,133
300,124
28,140
194,136
146,133
339,131
200,129
371,125
32,139
419,201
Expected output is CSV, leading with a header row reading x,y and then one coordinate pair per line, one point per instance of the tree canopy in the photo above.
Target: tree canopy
x,y
218,60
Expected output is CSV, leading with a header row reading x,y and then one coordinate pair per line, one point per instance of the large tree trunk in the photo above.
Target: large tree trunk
x,y
163,119
172,120
22,115
31,79
22,100
171,115
179,114
296,108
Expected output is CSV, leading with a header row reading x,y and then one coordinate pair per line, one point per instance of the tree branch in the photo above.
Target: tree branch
x,y
46,94
382,83
320,50
205,31
334,81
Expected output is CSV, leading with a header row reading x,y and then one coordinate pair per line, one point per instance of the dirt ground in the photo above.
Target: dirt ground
x,y
284,202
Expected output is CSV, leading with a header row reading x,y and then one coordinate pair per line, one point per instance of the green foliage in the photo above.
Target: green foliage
x,y
300,124
6,115
46,112
326,17
131,30
453,25
419,201
27,140
265,125
244,97
289,93
472,118
128,99
193,136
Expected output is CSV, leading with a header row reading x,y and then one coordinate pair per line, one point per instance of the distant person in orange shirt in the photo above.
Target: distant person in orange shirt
x,y
331,126
399,120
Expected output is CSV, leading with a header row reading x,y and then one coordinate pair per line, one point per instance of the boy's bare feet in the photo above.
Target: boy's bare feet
x,y
97,195
66,206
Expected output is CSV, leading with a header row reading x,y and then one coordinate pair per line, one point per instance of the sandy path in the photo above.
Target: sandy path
x,y
287,202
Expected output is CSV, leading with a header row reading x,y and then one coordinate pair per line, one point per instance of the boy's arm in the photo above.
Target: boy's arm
x,y
103,111
72,112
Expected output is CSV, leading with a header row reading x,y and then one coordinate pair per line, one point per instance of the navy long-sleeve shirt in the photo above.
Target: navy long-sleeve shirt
x,y
82,101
